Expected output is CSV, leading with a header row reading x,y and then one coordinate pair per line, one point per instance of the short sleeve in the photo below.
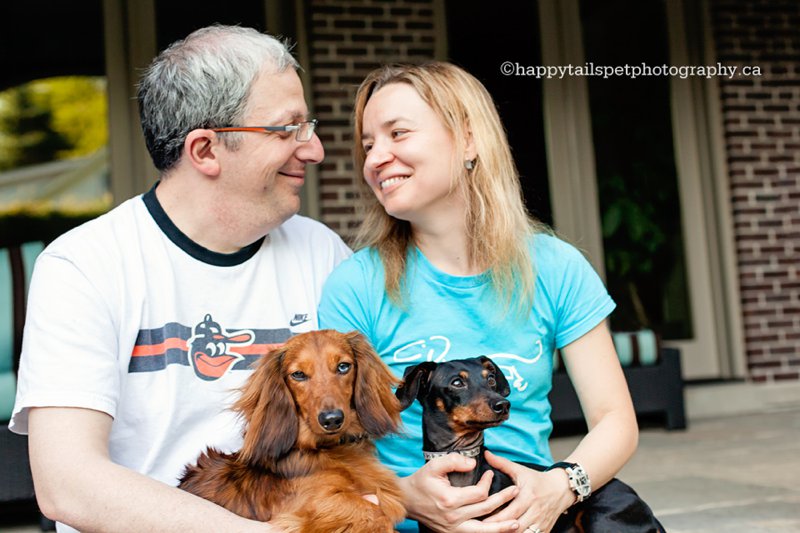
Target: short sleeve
x,y
581,300
69,352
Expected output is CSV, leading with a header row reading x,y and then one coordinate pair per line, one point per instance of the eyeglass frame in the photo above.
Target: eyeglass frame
x,y
297,128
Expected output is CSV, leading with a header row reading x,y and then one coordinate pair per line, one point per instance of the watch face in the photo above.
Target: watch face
x,y
580,481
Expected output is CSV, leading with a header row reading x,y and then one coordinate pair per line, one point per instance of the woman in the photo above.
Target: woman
x,y
452,266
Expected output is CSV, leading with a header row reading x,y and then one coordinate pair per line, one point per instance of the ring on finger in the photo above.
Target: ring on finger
x,y
533,529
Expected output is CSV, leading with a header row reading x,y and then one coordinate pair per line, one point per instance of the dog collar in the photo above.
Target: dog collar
x,y
469,452
352,439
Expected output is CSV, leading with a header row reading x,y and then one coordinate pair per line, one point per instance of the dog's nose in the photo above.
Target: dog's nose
x,y
501,407
331,420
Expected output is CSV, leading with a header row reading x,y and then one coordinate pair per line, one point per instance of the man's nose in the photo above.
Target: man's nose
x,y
311,151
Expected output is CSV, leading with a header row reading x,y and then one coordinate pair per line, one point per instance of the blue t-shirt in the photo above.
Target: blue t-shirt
x,y
446,317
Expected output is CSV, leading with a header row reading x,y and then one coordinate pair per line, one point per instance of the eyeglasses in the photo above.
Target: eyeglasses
x,y
303,130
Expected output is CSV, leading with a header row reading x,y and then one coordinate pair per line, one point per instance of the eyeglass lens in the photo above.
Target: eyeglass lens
x,y
305,131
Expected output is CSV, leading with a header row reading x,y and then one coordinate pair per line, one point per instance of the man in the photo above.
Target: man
x,y
142,323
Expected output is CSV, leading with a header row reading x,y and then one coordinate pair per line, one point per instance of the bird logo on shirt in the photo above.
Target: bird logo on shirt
x,y
210,351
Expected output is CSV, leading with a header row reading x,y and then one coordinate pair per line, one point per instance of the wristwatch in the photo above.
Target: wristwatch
x,y
578,479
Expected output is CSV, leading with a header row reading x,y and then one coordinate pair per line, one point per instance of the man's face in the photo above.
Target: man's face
x,y
263,177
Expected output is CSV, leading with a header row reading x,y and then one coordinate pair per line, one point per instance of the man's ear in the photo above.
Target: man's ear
x,y
199,149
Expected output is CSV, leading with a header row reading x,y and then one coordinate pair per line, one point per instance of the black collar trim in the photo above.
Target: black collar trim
x,y
182,241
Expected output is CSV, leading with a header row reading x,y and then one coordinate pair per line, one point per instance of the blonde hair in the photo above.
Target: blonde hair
x,y
498,226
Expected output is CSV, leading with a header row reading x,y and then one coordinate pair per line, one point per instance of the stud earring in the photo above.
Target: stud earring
x,y
469,164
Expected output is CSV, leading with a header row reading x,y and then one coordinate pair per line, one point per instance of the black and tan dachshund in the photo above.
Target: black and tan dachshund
x,y
462,398
459,400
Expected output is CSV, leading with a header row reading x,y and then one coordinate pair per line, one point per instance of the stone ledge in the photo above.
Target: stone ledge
x,y
736,398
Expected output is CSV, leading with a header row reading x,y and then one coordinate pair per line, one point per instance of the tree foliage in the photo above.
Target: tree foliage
x,y
52,119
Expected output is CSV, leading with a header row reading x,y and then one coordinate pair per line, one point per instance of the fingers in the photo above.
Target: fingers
x,y
522,478
485,482
501,463
372,498
474,526
452,462
488,505
514,511
458,496
532,518
538,504
457,508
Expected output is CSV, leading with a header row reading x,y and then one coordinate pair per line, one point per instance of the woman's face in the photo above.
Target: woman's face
x,y
409,156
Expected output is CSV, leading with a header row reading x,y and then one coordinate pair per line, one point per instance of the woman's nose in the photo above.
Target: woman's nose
x,y
376,158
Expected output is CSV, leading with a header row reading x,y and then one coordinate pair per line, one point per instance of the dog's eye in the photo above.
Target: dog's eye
x,y
458,383
491,381
344,368
298,376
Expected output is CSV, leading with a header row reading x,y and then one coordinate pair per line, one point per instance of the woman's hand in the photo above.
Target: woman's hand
x,y
542,497
432,500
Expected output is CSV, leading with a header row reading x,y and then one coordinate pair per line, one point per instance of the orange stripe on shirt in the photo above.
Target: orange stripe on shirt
x,y
149,350
145,350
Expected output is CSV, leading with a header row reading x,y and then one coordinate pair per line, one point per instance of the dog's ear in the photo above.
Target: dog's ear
x,y
377,408
268,410
413,379
503,388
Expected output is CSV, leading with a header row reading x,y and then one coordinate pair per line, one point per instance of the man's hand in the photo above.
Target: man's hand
x,y
77,483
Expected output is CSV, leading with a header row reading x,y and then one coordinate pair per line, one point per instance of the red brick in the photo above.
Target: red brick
x,y
761,122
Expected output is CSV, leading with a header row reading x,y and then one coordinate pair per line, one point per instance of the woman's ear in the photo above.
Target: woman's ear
x,y
200,150
470,152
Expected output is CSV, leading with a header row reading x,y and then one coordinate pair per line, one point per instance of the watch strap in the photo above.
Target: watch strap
x,y
578,478
561,464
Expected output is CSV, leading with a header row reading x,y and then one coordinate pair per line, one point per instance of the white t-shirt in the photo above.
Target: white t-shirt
x,y
128,316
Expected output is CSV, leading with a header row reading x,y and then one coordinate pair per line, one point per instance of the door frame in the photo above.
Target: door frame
x,y
717,351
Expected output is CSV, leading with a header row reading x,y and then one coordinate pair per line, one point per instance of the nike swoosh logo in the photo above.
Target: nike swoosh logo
x,y
294,322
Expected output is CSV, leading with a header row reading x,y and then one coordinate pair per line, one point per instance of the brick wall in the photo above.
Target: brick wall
x,y
350,38
762,124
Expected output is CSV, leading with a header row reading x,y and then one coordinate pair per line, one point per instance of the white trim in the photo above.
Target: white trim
x,y
717,349
130,43
699,355
729,305
311,191
568,133
289,18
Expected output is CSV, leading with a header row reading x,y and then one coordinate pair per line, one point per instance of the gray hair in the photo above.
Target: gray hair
x,y
203,81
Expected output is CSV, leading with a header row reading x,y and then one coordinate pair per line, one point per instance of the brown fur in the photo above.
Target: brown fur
x,y
293,472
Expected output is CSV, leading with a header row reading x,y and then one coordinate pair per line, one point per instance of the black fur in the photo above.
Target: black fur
x,y
448,389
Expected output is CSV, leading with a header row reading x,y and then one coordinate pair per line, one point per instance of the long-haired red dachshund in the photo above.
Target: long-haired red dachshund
x,y
310,410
